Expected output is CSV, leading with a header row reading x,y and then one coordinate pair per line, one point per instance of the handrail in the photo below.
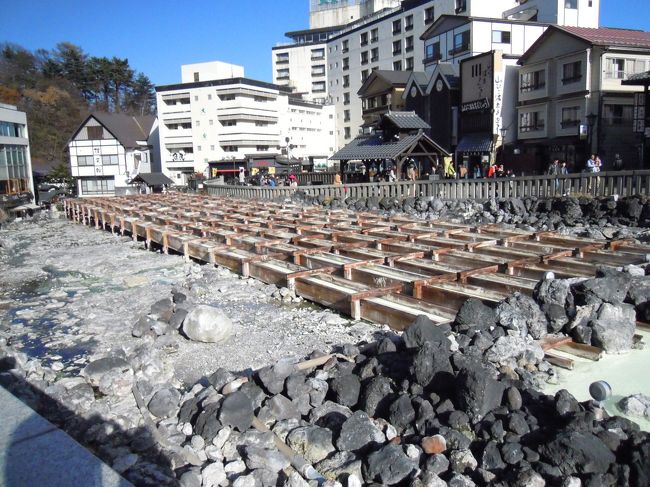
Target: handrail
x,y
621,183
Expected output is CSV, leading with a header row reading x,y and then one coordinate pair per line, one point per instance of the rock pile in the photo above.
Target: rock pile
x,y
548,213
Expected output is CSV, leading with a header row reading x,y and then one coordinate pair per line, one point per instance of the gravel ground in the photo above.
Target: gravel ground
x,y
70,293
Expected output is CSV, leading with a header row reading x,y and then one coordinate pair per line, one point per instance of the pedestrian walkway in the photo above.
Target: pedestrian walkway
x,y
35,453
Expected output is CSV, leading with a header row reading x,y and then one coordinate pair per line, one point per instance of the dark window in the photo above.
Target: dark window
x,y
571,72
408,47
501,37
618,114
408,22
535,80
409,64
95,133
397,47
196,77
397,66
432,52
570,117
363,38
397,26
429,15
461,43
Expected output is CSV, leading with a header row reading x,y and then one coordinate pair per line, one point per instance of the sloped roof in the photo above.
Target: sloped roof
x,y
419,79
638,79
127,129
595,37
406,120
610,37
152,179
477,142
392,78
374,147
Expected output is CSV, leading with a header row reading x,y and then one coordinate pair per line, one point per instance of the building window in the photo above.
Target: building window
x,y
211,122
374,35
571,72
95,133
570,117
364,57
346,115
198,148
397,26
618,114
196,97
429,15
477,69
345,46
318,87
318,54
282,58
212,147
229,148
346,132
85,161
346,81
374,55
364,75
363,38
111,160
318,70
397,47
262,148
621,68
409,64
408,44
262,124
397,66
408,22
227,97
531,122
501,36
229,123
346,63
209,96
196,77
461,43
346,98
535,80
10,129
573,4
432,52
97,186
461,6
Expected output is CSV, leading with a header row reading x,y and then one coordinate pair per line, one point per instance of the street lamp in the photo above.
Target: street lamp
x,y
591,120
503,131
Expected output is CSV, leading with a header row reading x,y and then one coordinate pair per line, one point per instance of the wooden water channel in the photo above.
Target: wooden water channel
x,y
382,269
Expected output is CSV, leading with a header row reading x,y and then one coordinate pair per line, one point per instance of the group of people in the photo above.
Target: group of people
x,y
557,168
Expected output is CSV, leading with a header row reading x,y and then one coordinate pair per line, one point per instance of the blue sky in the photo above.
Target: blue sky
x,y
158,36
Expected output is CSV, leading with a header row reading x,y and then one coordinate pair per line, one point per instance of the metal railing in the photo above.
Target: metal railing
x,y
621,183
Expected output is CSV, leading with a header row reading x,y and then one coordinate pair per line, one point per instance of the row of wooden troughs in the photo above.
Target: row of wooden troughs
x,y
384,269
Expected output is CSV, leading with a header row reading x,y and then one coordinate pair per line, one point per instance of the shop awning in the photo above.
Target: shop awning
x,y
481,142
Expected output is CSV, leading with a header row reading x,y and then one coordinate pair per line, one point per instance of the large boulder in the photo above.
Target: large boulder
x,y
476,391
554,298
613,328
475,314
522,314
424,330
207,324
111,375
578,452
611,289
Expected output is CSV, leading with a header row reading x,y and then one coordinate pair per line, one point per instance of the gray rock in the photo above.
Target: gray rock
x,y
207,324
635,405
339,465
460,480
273,377
462,461
237,411
376,395
213,475
142,326
164,403
514,347
577,452
358,433
476,392
389,465
176,321
220,378
553,297
521,313
207,424
611,289
162,309
437,464
191,478
345,389
111,375
429,479
312,442
476,315
614,327
280,407
296,480
261,458
330,415
514,400
424,330
401,412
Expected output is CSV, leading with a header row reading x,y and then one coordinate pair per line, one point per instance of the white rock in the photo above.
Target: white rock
x,y
235,467
213,474
207,324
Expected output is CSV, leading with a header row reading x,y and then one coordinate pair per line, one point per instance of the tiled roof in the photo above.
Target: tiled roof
x,y
128,129
481,142
638,79
373,147
153,179
610,37
406,120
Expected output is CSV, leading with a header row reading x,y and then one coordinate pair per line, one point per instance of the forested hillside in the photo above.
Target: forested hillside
x,y
59,87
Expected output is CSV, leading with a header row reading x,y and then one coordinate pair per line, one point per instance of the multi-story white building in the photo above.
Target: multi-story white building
x,y
16,181
109,149
229,122
571,102
576,13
